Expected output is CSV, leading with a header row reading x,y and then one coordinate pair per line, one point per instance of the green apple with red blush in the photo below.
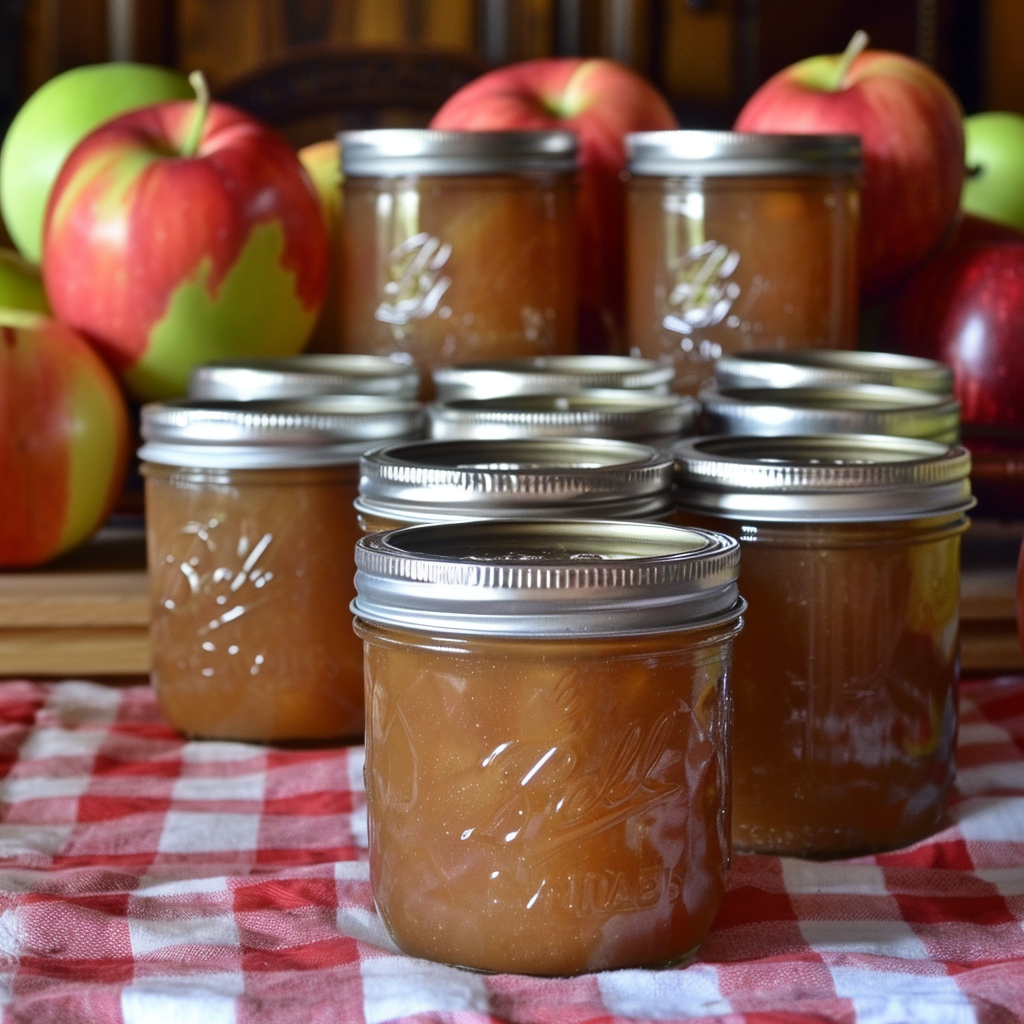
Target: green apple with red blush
x,y
53,120
64,433
181,233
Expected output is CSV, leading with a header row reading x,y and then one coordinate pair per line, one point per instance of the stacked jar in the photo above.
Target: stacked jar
x,y
574,816
250,535
845,677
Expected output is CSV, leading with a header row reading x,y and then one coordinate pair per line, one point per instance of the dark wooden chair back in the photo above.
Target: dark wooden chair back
x,y
312,93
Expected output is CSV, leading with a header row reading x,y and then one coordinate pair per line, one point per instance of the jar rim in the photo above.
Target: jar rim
x,y
550,578
555,374
825,367
303,376
464,479
836,409
605,412
394,152
822,478
689,152
268,433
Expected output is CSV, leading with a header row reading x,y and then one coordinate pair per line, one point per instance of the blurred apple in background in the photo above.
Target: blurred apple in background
x,y
182,233
911,130
965,307
21,286
601,101
63,438
994,186
51,123
322,161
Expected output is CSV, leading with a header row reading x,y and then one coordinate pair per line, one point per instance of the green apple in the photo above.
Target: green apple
x,y
52,122
21,284
994,187
322,161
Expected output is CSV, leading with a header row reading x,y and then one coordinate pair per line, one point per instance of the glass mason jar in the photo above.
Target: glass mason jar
x,y
302,376
551,375
826,368
250,535
845,675
419,482
547,739
847,409
623,415
739,241
458,246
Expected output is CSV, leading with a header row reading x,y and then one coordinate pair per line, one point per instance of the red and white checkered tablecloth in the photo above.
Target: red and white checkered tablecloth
x,y
146,879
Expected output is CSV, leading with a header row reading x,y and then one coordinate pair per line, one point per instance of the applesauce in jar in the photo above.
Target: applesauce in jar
x,y
845,676
458,246
738,241
250,536
571,814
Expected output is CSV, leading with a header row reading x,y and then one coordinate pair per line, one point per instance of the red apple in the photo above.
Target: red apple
x,y
63,438
601,102
911,130
965,306
179,233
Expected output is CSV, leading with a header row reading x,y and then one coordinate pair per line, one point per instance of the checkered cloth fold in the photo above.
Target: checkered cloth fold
x,y
148,879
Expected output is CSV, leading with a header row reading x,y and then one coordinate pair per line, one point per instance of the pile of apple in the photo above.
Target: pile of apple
x,y
943,283
156,231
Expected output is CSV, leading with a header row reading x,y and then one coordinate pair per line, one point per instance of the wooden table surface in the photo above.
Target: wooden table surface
x,y
87,615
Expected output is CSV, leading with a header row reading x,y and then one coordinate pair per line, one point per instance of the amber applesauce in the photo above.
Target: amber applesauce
x,y
251,574
739,242
571,812
458,246
845,675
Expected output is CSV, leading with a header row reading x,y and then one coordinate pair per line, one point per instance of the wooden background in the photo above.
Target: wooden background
x,y
707,55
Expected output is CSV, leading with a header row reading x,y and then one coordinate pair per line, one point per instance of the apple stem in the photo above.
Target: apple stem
x,y
853,50
195,130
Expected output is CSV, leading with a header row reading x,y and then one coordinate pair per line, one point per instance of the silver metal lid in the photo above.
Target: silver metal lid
x,y
740,154
392,152
840,478
547,578
303,376
551,375
850,409
447,481
327,430
630,415
830,367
